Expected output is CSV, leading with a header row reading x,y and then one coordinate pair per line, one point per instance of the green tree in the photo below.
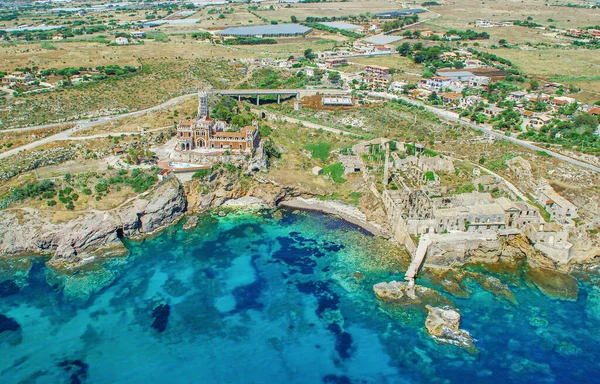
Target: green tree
x,y
534,84
404,49
309,54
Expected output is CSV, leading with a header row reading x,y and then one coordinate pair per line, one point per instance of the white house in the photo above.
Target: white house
x,y
397,86
478,81
121,41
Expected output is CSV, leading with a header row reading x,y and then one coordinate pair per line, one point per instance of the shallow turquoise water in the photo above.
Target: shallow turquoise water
x,y
251,299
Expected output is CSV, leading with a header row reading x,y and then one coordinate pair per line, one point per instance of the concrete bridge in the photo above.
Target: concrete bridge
x,y
298,93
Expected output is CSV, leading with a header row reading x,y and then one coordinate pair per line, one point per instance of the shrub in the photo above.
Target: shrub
x,y
32,190
48,194
100,187
51,203
336,171
270,149
201,173
319,150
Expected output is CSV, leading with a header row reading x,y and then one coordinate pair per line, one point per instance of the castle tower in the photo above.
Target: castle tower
x,y
202,104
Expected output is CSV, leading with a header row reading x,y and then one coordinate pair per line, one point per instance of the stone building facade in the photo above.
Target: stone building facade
x,y
204,132
467,212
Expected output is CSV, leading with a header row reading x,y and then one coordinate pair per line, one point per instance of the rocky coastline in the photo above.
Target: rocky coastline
x,y
90,235
95,235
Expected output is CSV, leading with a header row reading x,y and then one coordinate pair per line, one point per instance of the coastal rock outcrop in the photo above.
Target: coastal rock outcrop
x,y
443,324
83,236
259,161
400,293
461,248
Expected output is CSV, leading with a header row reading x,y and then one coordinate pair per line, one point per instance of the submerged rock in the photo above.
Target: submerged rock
x,y
554,284
592,303
451,281
81,286
443,324
77,370
335,379
8,287
161,315
10,330
496,287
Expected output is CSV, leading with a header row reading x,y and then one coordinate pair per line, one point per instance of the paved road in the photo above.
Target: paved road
x,y
82,124
451,116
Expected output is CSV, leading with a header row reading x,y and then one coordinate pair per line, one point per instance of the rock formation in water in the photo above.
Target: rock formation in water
x,y
443,324
90,233
399,293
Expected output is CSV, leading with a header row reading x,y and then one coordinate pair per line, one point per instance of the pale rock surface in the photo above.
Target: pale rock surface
x,y
91,233
443,324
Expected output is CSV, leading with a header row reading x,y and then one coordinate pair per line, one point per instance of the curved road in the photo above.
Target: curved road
x,y
451,116
86,123
82,124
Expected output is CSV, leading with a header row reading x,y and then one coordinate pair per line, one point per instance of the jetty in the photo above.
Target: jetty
x,y
417,261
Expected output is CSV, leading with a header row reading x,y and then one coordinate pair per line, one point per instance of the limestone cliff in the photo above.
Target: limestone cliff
x,y
89,234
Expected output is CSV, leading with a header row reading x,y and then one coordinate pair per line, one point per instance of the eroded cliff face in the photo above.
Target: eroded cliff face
x,y
227,186
90,234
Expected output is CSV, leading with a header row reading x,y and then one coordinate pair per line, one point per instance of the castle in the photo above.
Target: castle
x,y
213,135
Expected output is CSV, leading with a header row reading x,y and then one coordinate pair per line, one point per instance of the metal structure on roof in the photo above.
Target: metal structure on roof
x,y
404,12
277,30
341,25
383,39
456,75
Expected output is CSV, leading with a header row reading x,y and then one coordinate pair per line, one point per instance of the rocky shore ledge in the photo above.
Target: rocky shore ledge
x,y
89,234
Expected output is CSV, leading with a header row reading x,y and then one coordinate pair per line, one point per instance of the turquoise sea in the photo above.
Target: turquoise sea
x,y
280,297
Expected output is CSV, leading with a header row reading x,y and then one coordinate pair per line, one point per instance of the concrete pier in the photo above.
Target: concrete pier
x,y
417,262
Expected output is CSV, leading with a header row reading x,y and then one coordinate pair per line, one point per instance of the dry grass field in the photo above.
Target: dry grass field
x,y
459,14
152,120
296,164
326,9
569,66
10,140
75,54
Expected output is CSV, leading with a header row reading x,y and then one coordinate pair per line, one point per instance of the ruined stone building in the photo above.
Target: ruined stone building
x,y
560,209
467,212
203,132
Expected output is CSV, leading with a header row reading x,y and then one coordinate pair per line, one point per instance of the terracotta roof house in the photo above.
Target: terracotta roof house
x,y
594,111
